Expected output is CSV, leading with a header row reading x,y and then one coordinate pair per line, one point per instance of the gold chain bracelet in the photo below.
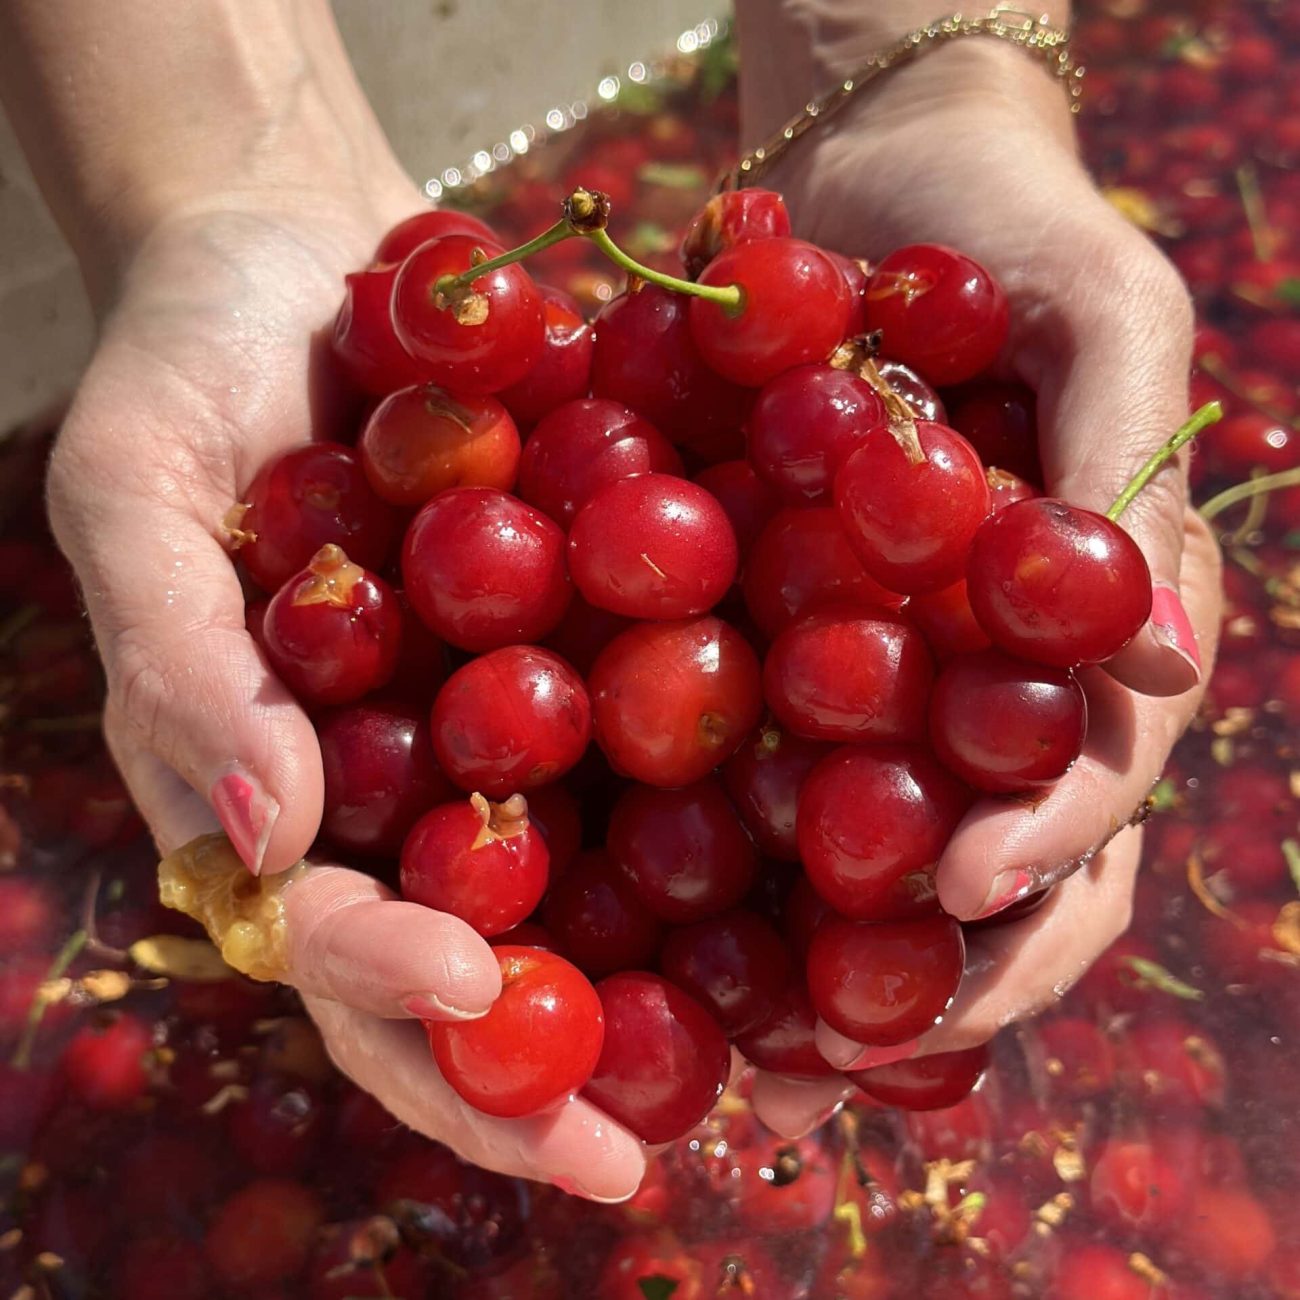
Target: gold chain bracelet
x,y
1016,26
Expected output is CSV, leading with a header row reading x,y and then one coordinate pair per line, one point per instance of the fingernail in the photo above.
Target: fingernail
x,y
428,1006
874,1056
247,814
1172,627
574,1188
1008,888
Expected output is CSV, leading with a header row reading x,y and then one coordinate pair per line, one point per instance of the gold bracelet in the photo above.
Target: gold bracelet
x,y
1016,26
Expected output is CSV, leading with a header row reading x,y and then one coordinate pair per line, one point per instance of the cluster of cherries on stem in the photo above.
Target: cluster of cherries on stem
x,y
799,666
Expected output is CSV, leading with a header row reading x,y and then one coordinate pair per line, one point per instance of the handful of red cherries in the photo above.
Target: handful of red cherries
x,y
805,608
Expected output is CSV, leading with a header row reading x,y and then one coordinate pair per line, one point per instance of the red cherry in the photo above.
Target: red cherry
x,y
764,778
365,344
911,524
29,915
510,720
1006,488
925,402
652,547
263,1233
480,861
333,633
884,984
1250,440
637,1258
684,850
352,1257
1057,584
1170,1064
275,1128
1076,1056
1133,1186
105,1066
408,235
563,372
304,498
999,421
582,446
748,500
926,1083
785,1040
664,1062
729,219
584,632
1227,1231
947,621
554,811
670,701
537,1044
484,570
420,441
872,824
1085,1271
795,309
856,272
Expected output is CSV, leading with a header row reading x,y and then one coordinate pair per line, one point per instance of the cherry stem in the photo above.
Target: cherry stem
x,y
731,297
1216,505
22,1057
1210,413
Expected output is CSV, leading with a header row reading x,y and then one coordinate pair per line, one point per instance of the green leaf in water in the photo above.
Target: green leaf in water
x,y
1164,797
1152,975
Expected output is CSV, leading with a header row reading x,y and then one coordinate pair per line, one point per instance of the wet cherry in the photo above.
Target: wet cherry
x,y
925,402
748,500
563,372
263,1233
365,344
926,1083
408,235
785,1040
729,219
947,621
764,778
999,421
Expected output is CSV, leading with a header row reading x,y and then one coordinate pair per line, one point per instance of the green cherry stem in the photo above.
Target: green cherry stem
x,y
1254,487
22,1057
730,297
1210,413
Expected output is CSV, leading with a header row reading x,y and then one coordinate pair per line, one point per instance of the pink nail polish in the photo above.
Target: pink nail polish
x,y
247,814
1171,625
874,1056
1008,888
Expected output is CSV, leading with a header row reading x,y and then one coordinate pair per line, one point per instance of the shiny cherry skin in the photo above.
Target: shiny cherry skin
x,y
584,632
729,219
763,778
488,342
510,720
483,862
598,920
803,425
563,372
537,1045
735,965
365,344
911,524
856,272
685,850
1006,488
795,309
921,396
408,235
1250,440
1057,584
1000,421
671,701
926,1083
665,1061
850,674
421,441
785,1040
884,984
653,547
748,500
580,447
947,621
483,569
301,499
803,559
333,633
1005,725
380,775
937,310
105,1066
872,824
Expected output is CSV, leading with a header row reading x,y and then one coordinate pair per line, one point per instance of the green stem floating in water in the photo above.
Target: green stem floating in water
x,y
22,1057
1229,497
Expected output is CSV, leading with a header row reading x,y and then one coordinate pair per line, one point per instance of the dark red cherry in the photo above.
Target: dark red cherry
x,y
947,621
483,862
422,661
333,633
664,1062
926,1083
911,524
582,446
763,778
925,402
1005,725
563,371
408,235
850,673
729,219
510,720
785,1040
684,850
1248,441
795,308
365,344
999,421
484,569
937,310
803,426
380,775
748,500
1057,584
884,984
482,342
555,812
584,632
302,499
803,911
670,701
872,824
653,547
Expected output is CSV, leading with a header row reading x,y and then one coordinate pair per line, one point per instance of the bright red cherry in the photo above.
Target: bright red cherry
x,y
685,850
263,1234
670,701
803,425
510,720
748,500
795,308
1006,488
583,445
538,1044
763,778
1057,584
872,824
365,344
480,861
999,420
885,984
380,775
302,499
856,272
947,621
420,441
485,340
911,524
937,310
926,1083
850,674
729,219
334,632
665,1061
563,372
408,235
105,1066
925,402
1005,725
653,547
785,1040
484,570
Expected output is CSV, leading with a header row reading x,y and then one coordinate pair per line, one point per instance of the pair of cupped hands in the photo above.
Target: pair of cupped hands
x,y
212,358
